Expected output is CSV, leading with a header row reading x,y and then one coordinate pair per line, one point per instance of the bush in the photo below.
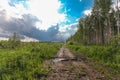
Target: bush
x,y
26,61
70,43
115,41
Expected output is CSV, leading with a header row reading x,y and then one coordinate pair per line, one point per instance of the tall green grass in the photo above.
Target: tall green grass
x,y
107,55
25,62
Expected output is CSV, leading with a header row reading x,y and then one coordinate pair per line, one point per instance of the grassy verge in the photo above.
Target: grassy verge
x,y
106,55
25,62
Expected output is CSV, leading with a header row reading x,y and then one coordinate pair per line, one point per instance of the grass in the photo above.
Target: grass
x,y
106,55
25,62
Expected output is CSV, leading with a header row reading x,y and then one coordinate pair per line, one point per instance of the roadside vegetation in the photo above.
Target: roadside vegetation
x,y
24,60
109,56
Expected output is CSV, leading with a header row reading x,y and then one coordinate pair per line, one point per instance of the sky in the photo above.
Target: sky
x,y
44,20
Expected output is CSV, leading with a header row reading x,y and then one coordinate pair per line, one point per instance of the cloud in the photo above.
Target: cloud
x,y
34,20
25,27
17,11
87,12
116,4
42,35
80,0
66,31
47,12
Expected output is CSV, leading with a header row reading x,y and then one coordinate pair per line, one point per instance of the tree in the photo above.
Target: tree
x,y
14,40
118,17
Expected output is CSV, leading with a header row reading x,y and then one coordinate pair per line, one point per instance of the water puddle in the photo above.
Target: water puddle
x,y
55,60
58,59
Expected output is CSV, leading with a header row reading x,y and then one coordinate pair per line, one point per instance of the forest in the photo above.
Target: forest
x,y
98,35
101,27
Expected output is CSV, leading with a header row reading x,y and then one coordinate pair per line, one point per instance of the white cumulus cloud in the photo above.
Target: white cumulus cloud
x,y
17,11
46,11
87,12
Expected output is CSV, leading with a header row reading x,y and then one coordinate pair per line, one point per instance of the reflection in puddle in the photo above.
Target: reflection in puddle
x,y
64,59
58,59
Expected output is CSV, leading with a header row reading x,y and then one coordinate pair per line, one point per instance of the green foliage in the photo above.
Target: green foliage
x,y
26,61
107,55
115,41
70,43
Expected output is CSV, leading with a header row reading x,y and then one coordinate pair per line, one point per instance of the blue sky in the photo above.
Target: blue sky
x,y
75,8
56,20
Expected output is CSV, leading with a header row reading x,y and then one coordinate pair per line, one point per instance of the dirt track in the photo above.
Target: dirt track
x,y
77,67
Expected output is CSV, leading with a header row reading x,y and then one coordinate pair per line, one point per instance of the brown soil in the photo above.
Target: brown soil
x,y
77,67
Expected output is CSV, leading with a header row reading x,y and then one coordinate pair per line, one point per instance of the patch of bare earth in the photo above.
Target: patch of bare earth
x,y
76,67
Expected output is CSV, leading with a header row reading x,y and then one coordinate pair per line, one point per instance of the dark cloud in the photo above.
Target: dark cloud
x,y
49,35
25,26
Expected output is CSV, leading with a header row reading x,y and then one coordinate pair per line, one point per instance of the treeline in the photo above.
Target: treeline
x,y
101,27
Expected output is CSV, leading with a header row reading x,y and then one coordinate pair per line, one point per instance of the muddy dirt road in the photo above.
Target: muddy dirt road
x,y
69,66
